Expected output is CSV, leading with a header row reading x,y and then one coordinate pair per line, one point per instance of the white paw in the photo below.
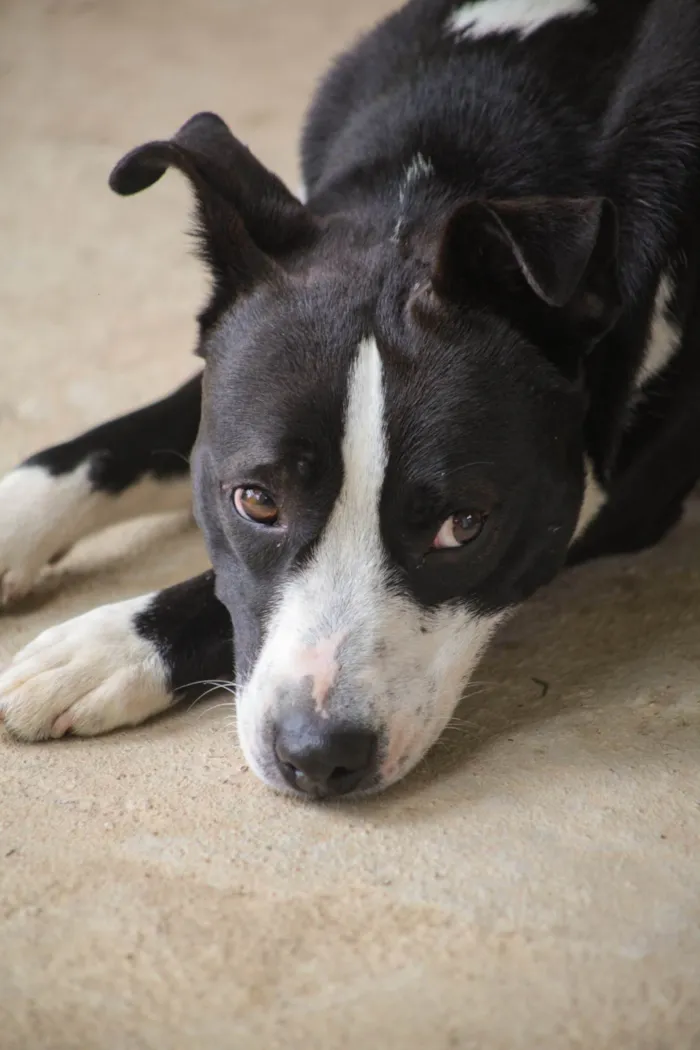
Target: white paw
x,y
41,517
85,676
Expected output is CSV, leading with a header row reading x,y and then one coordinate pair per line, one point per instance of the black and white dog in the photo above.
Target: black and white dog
x,y
470,358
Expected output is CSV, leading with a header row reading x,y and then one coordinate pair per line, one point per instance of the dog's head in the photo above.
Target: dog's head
x,y
390,452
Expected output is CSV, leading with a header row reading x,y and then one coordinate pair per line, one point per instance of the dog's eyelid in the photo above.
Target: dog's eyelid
x,y
430,503
258,477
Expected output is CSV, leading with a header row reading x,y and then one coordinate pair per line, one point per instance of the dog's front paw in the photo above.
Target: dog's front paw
x,y
41,516
85,676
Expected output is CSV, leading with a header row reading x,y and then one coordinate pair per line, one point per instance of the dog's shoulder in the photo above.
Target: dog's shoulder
x,y
426,61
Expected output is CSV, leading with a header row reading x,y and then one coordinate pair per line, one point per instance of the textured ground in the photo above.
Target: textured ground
x,y
535,884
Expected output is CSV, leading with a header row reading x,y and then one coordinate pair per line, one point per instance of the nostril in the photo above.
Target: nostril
x,y
339,772
323,758
300,780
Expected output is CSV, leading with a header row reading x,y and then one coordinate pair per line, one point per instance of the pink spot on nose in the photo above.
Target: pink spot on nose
x,y
319,662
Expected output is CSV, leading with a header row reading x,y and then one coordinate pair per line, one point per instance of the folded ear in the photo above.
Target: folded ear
x,y
247,218
565,250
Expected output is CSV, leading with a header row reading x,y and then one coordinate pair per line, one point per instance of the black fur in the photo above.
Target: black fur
x,y
154,441
192,632
510,291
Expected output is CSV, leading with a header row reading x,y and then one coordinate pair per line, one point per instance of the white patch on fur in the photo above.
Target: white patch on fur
x,y
481,18
594,498
42,516
419,168
302,193
664,339
379,659
664,334
85,676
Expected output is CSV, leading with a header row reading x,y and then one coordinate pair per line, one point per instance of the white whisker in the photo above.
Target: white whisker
x,y
215,707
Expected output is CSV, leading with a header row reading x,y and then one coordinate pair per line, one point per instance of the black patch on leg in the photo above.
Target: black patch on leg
x,y
155,440
191,630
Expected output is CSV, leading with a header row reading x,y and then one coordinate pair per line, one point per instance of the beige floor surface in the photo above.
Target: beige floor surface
x,y
535,885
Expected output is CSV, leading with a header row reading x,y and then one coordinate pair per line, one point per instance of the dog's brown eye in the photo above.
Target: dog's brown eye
x,y
460,529
256,505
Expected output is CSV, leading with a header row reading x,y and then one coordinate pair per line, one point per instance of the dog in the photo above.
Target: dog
x,y
463,358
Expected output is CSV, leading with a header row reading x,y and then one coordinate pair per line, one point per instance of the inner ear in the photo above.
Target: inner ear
x,y
565,250
247,218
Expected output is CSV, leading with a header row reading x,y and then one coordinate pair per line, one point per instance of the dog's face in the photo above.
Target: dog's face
x,y
388,463
377,491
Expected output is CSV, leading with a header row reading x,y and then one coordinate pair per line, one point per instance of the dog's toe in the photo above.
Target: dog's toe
x,y
15,584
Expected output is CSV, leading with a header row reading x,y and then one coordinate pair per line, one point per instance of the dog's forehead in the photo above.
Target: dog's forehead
x,y
282,362
278,365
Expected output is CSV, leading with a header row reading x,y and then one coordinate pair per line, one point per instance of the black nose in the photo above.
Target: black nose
x,y
322,757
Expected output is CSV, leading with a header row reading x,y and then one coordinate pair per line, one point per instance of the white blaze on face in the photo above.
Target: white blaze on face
x,y
341,642
481,18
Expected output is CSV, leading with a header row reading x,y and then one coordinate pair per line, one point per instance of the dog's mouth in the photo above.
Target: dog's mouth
x,y
342,718
325,756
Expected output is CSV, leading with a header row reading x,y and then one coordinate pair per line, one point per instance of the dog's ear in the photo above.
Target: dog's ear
x,y
565,250
247,218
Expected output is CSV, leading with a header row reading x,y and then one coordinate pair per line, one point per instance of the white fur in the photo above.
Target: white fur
x,y
85,676
664,334
419,168
664,338
42,516
594,498
373,656
481,18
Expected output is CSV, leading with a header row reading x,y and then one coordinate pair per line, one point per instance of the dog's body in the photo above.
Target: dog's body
x,y
468,359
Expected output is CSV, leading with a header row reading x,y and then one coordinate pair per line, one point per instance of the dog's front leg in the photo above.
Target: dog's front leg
x,y
136,464
118,664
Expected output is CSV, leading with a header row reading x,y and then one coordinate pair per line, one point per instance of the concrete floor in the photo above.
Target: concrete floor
x,y
535,884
